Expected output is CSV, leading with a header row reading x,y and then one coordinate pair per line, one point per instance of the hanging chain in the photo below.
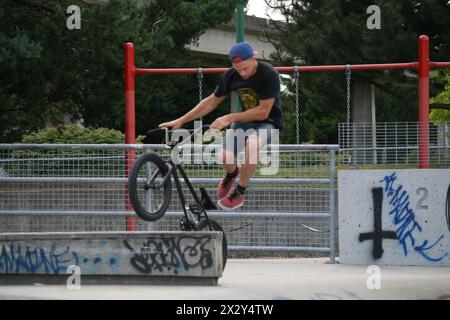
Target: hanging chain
x,y
200,98
200,88
348,77
297,105
200,84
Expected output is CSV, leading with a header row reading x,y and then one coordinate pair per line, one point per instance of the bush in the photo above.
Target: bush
x,y
74,134
69,162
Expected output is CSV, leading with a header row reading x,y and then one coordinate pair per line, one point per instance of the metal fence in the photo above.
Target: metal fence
x,y
83,188
392,143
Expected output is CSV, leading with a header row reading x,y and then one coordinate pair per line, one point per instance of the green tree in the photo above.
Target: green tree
x,y
440,115
50,72
335,32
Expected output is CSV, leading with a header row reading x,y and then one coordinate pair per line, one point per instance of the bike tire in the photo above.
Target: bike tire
x,y
133,192
203,225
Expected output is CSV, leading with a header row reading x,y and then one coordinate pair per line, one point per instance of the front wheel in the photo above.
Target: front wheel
x,y
149,198
204,226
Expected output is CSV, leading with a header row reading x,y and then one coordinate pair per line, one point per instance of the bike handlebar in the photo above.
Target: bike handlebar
x,y
166,128
192,131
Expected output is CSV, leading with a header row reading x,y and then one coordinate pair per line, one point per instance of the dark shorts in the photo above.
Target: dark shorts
x,y
238,133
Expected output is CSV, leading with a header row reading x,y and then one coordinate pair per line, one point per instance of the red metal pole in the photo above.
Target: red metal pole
x,y
380,66
130,128
424,104
434,65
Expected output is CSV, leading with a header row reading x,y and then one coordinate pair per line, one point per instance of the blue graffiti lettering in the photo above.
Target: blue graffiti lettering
x,y
15,259
404,219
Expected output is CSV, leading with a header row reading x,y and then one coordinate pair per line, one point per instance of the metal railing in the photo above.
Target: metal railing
x,y
83,188
392,143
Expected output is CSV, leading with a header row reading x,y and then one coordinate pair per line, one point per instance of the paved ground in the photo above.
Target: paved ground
x,y
268,279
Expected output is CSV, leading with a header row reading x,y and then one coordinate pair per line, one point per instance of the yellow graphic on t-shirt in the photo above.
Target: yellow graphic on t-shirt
x,y
248,98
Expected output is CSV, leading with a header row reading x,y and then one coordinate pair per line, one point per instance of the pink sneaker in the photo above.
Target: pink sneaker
x,y
226,184
232,201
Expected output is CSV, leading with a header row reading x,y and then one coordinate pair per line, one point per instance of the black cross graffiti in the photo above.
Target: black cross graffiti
x,y
378,234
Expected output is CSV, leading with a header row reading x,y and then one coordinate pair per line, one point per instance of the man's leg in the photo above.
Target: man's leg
x,y
227,159
234,200
250,165
255,141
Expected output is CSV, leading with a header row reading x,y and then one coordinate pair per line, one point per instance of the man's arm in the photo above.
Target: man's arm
x,y
200,110
203,108
258,113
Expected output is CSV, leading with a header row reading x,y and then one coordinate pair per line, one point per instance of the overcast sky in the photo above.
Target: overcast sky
x,y
258,8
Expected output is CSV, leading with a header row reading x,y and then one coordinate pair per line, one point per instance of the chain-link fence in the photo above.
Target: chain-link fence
x,y
392,143
83,188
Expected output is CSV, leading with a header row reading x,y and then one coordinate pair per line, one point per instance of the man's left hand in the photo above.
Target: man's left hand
x,y
220,123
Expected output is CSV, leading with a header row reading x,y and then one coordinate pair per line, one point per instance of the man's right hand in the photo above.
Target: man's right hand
x,y
173,125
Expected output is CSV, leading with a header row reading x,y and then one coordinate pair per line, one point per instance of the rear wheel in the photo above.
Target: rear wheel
x,y
149,198
204,226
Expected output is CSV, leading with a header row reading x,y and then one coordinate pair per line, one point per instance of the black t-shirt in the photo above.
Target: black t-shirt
x,y
264,84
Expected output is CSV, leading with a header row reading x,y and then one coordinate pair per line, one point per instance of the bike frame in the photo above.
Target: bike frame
x,y
173,170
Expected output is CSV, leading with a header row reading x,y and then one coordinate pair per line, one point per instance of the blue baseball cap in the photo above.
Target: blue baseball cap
x,y
240,52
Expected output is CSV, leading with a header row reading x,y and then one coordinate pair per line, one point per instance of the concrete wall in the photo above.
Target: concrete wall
x,y
394,217
217,42
364,119
181,254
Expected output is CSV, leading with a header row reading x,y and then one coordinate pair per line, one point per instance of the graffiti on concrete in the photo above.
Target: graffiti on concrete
x,y
39,258
378,234
173,254
15,258
409,230
345,295
447,208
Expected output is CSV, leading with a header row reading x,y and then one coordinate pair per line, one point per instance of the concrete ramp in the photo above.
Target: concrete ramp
x,y
111,257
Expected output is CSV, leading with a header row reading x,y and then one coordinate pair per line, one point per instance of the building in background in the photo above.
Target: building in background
x,y
213,45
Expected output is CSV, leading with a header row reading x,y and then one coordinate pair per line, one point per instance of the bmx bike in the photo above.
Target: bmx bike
x,y
150,191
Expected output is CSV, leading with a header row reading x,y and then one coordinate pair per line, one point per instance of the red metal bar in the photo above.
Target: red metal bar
x,y
130,128
434,65
179,70
424,103
382,66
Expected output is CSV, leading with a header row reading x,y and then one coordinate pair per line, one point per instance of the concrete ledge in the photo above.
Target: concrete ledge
x,y
44,279
119,257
